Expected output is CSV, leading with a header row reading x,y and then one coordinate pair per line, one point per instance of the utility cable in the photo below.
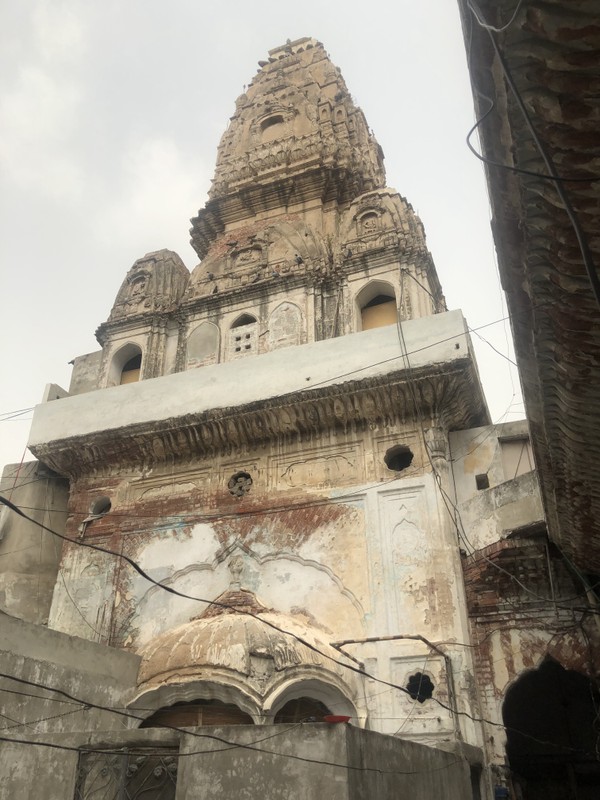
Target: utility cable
x,y
456,517
309,645
488,27
584,248
231,745
195,733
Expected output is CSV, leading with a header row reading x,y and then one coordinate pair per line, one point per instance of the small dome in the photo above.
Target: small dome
x,y
228,647
156,282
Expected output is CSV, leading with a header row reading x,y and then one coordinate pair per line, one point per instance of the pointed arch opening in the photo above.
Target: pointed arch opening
x,y
550,715
377,305
308,700
132,369
203,345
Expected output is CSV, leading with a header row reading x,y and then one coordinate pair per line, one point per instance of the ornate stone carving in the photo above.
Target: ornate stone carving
x,y
156,282
450,393
436,442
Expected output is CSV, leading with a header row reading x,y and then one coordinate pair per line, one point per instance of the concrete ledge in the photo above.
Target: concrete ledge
x,y
23,639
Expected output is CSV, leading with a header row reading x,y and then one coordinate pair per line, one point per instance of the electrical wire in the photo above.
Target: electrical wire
x,y
139,570
415,699
495,349
12,414
489,27
192,732
214,603
471,330
584,248
31,723
509,167
456,517
232,745
423,348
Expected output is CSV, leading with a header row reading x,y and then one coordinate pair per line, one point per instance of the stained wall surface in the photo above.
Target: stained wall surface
x,y
29,555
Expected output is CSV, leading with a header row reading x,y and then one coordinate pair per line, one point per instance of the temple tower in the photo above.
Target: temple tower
x,y
268,436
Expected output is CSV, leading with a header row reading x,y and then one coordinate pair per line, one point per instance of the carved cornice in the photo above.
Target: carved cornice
x,y
447,393
291,155
316,180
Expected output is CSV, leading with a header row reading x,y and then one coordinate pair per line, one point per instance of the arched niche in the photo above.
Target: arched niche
x,y
125,365
551,715
203,345
302,709
368,222
376,304
298,696
285,326
272,127
243,336
211,698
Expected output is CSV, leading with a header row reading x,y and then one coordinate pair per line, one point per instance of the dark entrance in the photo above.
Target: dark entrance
x,y
552,719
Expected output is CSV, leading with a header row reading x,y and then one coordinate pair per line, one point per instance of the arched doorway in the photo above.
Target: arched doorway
x,y
553,734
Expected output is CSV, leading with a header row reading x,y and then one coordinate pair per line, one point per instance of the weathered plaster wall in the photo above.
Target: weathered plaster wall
x,y
85,374
51,772
343,559
86,670
441,339
307,761
479,451
509,502
29,555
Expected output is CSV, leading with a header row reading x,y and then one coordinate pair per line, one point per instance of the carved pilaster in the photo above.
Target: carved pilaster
x,y
436,441
155,354
182,332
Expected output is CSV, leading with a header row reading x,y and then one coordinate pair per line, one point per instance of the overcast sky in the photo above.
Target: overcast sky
x,y
110,116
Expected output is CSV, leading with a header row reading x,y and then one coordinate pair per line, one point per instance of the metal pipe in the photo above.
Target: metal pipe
x,y
432,646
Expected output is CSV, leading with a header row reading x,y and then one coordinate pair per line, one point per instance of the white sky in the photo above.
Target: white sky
x,y
110,116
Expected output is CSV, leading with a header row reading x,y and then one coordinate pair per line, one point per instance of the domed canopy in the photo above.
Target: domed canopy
x,y
244,651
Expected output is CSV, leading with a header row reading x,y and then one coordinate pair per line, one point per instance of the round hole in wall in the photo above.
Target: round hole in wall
x,y
239,484
398,457
100,506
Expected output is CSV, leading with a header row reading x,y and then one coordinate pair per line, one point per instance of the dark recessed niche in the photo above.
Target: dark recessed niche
x,y
482,481
245,319
420,687
398,458
100,506
276,119
239,484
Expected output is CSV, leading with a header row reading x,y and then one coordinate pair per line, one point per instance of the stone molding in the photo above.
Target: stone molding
x,y
448,393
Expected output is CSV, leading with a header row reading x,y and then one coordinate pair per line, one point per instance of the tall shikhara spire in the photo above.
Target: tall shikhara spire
x,y
295,137
299,196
